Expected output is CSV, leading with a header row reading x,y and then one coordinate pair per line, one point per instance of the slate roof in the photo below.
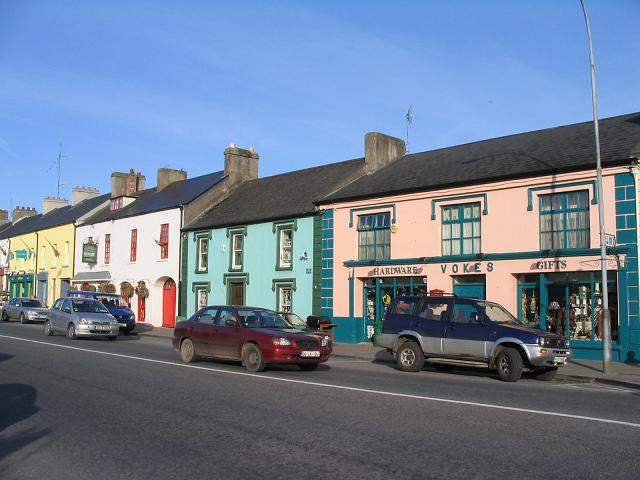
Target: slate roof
x,y
150,200
553,150
59,216
280,196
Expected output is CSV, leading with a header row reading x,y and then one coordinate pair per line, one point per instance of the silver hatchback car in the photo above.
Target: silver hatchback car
x,y
81,317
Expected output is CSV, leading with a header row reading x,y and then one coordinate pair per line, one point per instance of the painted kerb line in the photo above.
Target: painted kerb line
x,y
337,387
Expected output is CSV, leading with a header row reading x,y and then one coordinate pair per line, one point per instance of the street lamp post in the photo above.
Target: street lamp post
x,y
606,326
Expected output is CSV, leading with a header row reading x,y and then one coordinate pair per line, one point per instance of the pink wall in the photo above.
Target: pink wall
x,y
508,227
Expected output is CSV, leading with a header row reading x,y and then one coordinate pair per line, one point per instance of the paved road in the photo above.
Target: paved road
x,y
92,409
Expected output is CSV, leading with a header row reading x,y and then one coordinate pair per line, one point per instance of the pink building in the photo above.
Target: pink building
x,y
513,220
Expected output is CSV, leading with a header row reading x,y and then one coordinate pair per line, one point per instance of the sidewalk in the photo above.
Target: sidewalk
x,y
587,371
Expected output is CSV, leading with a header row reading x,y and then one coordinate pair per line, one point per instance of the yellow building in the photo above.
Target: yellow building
x,y
42,246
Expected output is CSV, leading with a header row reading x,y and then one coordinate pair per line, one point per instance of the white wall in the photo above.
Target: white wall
x,y
148,265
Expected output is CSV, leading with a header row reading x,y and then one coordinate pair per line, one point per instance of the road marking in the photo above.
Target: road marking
x,y
337,387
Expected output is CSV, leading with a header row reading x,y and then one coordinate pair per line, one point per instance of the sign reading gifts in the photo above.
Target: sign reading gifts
x,y
471,267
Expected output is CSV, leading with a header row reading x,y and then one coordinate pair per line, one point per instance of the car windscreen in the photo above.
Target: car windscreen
x,y
293,319
32,303
112,301
261,319
88,306
497,313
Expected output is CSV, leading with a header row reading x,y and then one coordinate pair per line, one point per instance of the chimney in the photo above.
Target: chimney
x,y
79,194
240,164
51,203
4,217
126,183
380,150
166,176
22,212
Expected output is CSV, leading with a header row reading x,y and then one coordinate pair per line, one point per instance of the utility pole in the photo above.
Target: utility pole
x,y
606,324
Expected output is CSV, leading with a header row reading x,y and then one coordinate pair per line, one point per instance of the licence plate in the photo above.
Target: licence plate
x,y
559,360
310,354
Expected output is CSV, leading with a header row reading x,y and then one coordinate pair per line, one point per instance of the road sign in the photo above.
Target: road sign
x,y
609,240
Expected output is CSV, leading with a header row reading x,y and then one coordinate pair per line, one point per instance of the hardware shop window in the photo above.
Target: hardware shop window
x,y
374,236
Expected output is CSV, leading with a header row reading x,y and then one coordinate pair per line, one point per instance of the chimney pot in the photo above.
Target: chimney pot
x,y
240,165
380,150
167,176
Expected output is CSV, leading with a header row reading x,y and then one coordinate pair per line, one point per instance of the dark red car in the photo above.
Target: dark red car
x,y
254,336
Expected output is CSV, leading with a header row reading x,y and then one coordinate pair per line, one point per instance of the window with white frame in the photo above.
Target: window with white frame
x,y
374,236
202,298
564,220
43,257
67,253
285,298
237,251
203,254
285,248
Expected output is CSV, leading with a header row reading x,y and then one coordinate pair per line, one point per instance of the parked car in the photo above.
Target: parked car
x,y
318,325
81,317
451,330
24,309
254,336
116,304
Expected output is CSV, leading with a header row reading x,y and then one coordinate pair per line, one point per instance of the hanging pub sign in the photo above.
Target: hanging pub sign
x,y
90,252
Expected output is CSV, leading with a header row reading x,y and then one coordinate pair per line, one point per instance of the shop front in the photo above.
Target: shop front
x,y
21,285
560,295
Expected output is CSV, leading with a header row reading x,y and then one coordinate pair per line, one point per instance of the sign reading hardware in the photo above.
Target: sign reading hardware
x,y
409,270
90,253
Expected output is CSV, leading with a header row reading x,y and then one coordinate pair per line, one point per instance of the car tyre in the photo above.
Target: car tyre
x,y
23,319
545,374
187,351
409,357
509,365
47,328
252,358
308,367
71,332
5,318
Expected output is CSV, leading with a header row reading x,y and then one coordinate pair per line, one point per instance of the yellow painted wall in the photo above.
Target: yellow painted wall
x,y
58,267
27,242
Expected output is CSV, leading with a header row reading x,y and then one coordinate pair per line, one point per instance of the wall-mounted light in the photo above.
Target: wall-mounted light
x,y
304,256
223,248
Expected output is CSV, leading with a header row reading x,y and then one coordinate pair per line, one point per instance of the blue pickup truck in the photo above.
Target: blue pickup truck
x,y
453,331
116,305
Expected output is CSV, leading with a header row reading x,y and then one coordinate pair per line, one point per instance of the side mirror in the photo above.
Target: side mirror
x,y
478,319
66,310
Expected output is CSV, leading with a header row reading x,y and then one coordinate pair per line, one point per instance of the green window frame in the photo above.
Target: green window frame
x,y
202,254
236,236
461,229
374,236
564,220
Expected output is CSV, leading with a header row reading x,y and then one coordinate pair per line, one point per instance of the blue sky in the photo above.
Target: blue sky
x,y
170,84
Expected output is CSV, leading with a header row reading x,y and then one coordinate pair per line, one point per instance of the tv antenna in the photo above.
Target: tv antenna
x,y
409,117
60,157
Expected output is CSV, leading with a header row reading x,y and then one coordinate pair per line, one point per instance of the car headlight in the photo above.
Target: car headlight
x,y
31,313
83,321
325,341
282,342
567,343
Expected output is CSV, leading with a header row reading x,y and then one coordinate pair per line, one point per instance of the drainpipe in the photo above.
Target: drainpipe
x,y
35,267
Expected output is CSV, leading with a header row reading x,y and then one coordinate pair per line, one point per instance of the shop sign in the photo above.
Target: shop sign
x,y
90,253
471,267
388,271
24,254
550,265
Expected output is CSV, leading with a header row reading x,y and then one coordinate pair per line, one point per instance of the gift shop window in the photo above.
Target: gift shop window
x,y
461,229
374,236
564,220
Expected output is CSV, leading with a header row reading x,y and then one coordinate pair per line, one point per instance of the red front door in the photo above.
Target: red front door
x,y
141,309
169,304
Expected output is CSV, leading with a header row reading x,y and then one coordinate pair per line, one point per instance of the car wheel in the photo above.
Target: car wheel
x,y
5,318
545,374
71,332
23,319
252,358
47,328
443,367
308,367
509,365
187,351
409,357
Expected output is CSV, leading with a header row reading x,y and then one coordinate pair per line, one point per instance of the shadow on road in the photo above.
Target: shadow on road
x,y
17,403
3,357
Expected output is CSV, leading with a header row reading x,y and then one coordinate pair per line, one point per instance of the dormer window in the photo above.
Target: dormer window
x,y
116,203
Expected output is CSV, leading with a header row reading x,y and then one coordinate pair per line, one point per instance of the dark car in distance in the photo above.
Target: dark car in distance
x,y
256,337
116,305
454,331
